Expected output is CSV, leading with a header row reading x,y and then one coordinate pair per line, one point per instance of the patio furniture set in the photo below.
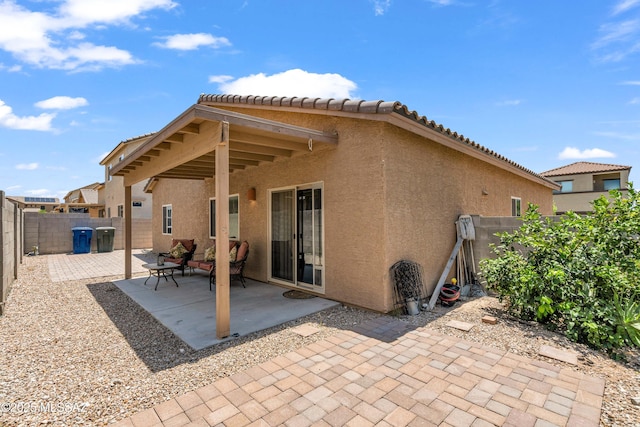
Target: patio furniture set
x,y
181,257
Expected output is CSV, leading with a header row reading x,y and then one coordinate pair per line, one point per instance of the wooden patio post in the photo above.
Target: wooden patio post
x,y
127,232
222,234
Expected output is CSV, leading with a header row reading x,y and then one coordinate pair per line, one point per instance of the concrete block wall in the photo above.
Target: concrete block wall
x,y
53,234
10,246
486,228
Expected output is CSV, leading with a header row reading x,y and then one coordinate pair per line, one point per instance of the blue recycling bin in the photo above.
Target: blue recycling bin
x,y
82,240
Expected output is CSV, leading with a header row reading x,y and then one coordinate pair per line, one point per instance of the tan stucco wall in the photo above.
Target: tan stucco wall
x,y
114,187
429,186
352,207
388,195
190,213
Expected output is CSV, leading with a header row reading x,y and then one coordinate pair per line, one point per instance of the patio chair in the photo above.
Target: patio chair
x,y
236,267
181,252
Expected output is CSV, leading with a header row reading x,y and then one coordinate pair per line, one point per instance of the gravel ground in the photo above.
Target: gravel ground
x,y
83,353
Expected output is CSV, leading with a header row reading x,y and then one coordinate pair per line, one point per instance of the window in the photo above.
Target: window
x,y
108,212
611,184
516,206
166,219
234,218
136,204
109,173
567,186
121,211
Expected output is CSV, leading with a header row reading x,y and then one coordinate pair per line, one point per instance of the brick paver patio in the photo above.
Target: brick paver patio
x,y
386,373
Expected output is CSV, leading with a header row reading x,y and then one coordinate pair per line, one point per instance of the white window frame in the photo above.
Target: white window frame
x,y
233,234
167,219
516,209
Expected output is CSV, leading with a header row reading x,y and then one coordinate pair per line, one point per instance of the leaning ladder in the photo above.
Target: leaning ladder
x,y
465,231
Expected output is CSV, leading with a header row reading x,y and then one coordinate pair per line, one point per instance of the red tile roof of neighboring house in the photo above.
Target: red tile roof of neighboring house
x,y
356,106
584,167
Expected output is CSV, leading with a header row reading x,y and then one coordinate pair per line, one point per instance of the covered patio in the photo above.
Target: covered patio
x,y
203,143
187,310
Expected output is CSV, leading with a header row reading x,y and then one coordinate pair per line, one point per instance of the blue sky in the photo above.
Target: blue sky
x,y
544,83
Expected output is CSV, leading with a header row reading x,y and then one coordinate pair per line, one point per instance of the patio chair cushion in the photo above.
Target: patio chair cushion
x,y
242,250
178,250
210,254
233,254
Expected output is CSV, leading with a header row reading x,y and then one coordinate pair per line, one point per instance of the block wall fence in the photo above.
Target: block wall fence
x,y
10,244
52,233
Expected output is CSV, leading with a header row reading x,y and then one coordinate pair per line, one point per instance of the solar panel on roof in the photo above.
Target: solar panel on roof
x,y
39,199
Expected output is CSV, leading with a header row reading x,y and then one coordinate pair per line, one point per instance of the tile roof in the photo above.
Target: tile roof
x,y
357,106
584,167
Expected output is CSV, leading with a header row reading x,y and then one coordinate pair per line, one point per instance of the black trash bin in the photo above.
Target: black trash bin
x,y
104,236
82,240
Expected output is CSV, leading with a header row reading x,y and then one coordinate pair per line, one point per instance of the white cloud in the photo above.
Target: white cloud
x,y
193,41
11,69
589,153
634,101
27,166
631,83
101,157
81,13
509,103
618,40
624,6
616,32
52,39
380,7
9,120
291,83
220,79
14,187
441,2
41,192
620,135
61,103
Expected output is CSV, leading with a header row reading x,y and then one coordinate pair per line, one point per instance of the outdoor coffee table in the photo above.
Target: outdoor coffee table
x,y
165,270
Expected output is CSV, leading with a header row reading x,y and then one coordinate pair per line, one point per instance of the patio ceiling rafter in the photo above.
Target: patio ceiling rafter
x,y
184,148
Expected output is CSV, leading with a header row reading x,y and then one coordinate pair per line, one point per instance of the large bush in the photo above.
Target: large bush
x,y
578,274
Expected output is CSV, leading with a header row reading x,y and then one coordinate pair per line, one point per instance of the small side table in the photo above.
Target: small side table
x,y
165,270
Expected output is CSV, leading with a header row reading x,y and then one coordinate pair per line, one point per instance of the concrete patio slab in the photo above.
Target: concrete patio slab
x,y
189,309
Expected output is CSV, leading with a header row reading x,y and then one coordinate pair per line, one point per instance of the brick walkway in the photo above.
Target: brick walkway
x,y
63,267
386,373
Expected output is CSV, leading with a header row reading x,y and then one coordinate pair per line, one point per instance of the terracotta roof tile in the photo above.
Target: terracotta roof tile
x,y
584,167
357,106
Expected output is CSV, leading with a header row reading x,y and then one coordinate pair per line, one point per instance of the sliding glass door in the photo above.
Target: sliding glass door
x,y
282,234
297,236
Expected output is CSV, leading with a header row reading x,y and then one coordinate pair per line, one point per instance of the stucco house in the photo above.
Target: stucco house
x,y
113,193
583,182
85,199
329,193
35,204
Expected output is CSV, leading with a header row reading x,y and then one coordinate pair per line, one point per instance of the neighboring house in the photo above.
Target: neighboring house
x,y
35,204
84,200
329,193
584,182
114,188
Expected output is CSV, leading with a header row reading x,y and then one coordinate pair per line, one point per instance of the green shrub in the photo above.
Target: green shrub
x,y
578,274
